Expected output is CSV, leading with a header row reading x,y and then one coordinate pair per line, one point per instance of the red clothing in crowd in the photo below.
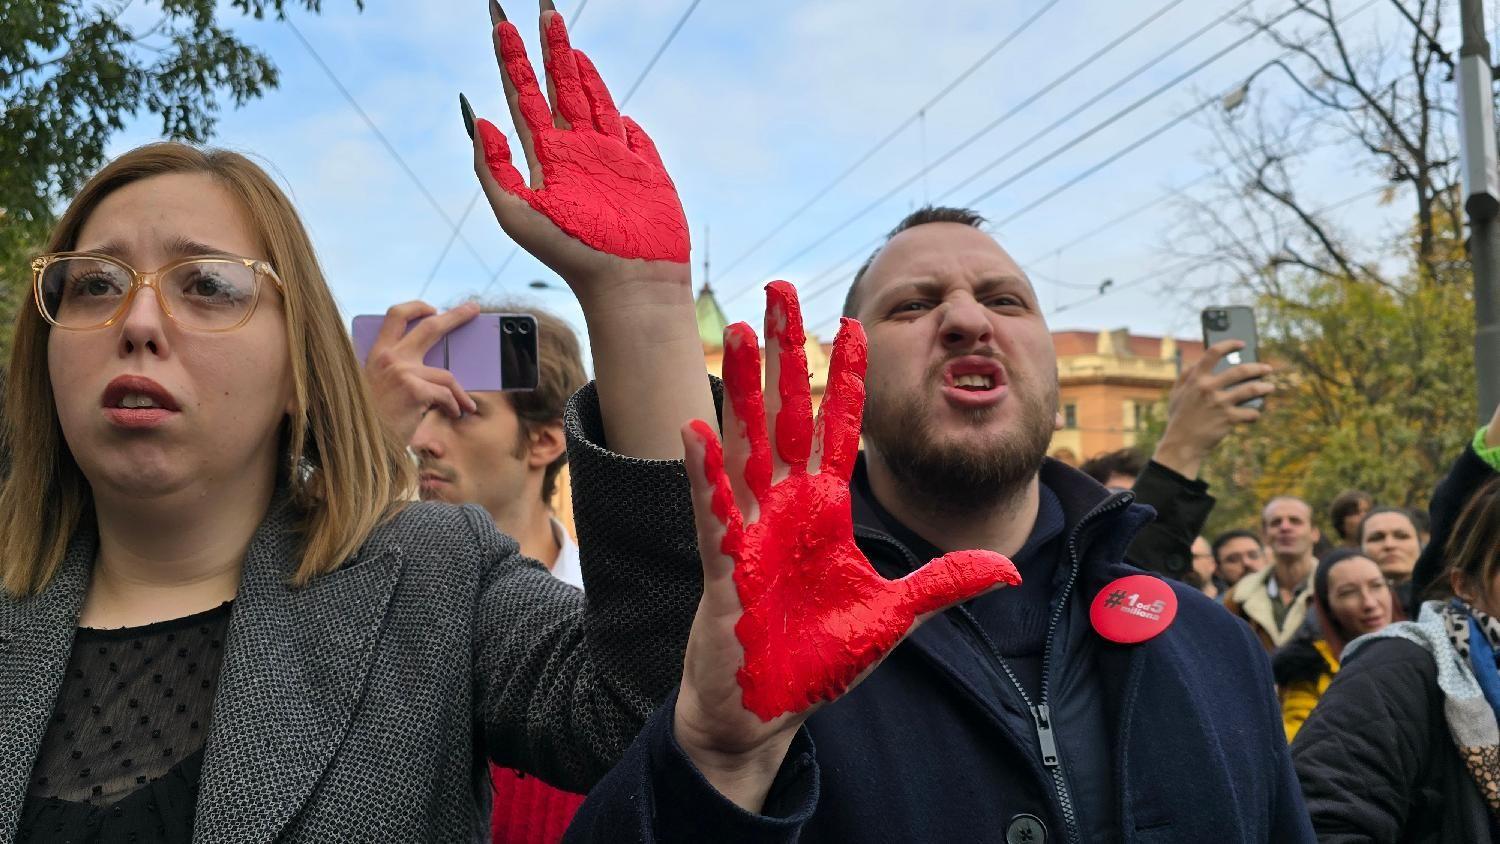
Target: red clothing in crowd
x,y
527,810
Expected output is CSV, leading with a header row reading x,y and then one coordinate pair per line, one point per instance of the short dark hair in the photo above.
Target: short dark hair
x,y
1346,504
560,371
1359,532
1230,535
920,217
1126,461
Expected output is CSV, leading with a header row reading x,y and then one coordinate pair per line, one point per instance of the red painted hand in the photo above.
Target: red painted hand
x,y
595,175
815,614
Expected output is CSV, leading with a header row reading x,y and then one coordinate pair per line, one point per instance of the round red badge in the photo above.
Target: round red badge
x,y
1133,609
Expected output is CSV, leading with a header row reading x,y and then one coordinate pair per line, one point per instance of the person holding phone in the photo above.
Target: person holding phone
x,y
506,456
505,449
1209,400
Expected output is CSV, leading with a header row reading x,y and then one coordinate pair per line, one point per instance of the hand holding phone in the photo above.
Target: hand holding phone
x,y
486,352
1224,388
1235,322
396,356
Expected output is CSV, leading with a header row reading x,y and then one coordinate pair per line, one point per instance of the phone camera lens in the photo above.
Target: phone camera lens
x,y
523,327
508,328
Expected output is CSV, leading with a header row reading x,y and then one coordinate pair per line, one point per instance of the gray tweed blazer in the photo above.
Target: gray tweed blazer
x,y
363,706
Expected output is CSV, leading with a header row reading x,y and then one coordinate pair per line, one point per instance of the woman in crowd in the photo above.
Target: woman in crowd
x,y
1404,745
1350,598
220,620
1389,536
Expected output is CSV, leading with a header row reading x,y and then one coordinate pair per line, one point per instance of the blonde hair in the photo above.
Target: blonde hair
x,y
346,472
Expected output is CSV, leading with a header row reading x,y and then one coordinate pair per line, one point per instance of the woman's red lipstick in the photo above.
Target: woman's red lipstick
x,y
135,402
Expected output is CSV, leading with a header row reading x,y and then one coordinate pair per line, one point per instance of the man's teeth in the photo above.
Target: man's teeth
x,y
136,400
982,382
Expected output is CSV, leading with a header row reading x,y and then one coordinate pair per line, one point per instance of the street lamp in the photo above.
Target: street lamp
x,y
1236,98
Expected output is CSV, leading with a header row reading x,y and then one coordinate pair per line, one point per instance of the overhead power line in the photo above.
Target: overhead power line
x,y
892,135
385,142
1112,119
659,50
1108,90
1199,263
577,13
1133,213
867,246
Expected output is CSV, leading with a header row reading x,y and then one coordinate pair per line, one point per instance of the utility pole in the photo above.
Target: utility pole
x,y
1476,108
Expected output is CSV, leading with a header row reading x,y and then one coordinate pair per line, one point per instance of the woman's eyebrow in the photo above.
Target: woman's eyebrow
x,y
177,247
182,246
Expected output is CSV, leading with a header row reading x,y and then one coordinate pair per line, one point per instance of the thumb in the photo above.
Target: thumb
x,y
715,515
955,577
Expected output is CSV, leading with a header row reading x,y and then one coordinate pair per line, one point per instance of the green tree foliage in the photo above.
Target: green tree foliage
x,y
1374,334
72,73
1378,394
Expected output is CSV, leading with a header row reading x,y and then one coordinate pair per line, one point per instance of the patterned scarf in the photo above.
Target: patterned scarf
x,y
1475,637
1463,643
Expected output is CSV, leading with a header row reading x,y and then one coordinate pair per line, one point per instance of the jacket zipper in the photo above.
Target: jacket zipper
x,y
1041,713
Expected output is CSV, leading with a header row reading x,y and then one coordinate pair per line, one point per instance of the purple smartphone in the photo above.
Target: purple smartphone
x,y
491,352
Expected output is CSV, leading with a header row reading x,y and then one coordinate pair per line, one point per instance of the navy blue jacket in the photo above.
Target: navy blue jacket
x,y
934,747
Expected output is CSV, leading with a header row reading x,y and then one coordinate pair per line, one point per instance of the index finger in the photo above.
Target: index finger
x,y
1217,352
432,329
393,327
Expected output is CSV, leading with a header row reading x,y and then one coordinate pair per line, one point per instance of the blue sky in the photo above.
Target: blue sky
x,y
756,107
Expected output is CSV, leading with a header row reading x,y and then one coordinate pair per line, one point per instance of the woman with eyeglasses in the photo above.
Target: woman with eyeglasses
x,y
221,620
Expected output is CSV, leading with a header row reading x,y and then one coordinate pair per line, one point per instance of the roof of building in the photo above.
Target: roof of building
x,y
711,319
1070,343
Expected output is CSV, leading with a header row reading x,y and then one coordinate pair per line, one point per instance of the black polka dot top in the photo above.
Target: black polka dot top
x,y
121,759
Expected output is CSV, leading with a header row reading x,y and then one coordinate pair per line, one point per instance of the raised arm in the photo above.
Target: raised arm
x,y
1202,410
564,681
600,210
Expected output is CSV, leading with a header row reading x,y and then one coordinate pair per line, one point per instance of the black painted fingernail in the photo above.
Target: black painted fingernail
x,y
497,15
468,112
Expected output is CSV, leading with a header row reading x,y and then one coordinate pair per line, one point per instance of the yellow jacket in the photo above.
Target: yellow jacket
x,y
1298,698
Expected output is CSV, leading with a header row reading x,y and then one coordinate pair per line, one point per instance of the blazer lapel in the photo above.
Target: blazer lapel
x,y
294,668
36,638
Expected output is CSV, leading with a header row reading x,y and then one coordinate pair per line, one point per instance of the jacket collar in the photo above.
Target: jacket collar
x,y
1099,526
1253,597
1087,508
295,664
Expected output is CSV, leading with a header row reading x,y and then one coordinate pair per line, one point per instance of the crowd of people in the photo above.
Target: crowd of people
x,y
255,590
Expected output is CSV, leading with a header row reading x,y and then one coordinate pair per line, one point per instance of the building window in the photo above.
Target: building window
x,y
1070,416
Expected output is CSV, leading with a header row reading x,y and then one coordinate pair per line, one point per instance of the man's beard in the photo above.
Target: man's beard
x,y
942,475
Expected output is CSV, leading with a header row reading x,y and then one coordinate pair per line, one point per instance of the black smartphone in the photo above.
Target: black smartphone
x,y
491,352
1233,322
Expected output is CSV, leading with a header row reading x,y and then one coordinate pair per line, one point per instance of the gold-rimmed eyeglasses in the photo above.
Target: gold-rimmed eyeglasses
x,y
81,291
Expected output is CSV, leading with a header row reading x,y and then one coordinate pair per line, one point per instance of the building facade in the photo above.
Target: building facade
x,y
1108,382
